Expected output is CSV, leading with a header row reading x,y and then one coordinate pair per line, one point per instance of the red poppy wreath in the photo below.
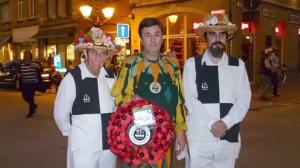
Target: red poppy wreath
x,y
139,145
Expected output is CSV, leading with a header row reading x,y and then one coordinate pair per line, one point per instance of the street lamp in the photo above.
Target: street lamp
x,y
173,18
86,12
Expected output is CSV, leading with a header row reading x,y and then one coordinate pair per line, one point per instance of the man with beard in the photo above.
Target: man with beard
x,y
217,94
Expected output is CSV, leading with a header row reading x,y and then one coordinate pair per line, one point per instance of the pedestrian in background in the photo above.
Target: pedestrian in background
x,y
217,94
84,104
271,73
170,53
266,74
156,78
28,74
275,68
50,59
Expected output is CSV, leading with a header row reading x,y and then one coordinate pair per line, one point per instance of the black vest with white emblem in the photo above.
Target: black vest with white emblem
x,y
87,101
207,81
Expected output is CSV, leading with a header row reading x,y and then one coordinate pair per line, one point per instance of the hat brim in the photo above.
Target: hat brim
x,y
111,51
230,29
93,47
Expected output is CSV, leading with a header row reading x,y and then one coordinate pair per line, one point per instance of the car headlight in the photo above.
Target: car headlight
x,y
45,75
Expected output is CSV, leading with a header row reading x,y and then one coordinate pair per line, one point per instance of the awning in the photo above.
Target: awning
x,y
24,34
51,33
4,39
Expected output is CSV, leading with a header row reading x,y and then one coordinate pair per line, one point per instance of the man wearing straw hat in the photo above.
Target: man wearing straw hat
x,y
217,94
84,104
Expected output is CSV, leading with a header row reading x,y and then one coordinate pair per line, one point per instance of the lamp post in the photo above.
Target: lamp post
x,y
107,12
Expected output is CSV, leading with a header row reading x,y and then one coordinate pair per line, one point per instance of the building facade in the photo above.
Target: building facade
x,y
247,44
50,26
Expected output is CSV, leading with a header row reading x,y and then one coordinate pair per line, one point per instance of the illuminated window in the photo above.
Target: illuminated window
x,y
244,25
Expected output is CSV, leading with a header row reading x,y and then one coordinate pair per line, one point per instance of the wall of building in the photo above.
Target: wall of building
x,y
134,11
281,10
290,39
160,8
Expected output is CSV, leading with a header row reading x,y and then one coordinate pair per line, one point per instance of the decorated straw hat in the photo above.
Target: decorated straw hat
x,y
215,22
94,39
272,49
268,51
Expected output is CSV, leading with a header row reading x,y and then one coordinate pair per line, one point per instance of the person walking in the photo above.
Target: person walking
x,y
271,72
217,94
274,66
266,74
84,104
154,77
28,74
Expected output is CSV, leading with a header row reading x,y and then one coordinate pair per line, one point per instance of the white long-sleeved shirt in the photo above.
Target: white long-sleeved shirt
x,y
87,125
196,108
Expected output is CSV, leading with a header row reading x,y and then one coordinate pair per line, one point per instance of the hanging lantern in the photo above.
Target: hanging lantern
x,y
173,18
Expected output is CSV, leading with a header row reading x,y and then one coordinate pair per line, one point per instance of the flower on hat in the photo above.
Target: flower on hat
x,y
212,21
95,38
268,51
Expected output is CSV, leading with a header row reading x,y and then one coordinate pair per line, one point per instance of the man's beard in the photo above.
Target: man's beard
x,y
218,50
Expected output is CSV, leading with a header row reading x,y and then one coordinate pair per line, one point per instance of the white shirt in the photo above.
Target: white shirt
x,y
87,125
196,108
275,60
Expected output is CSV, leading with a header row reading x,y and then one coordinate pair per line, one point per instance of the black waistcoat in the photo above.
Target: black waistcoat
x,y
209,76
87,101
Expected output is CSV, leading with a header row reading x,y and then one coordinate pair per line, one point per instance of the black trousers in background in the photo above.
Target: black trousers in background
x,y
274,82
28,90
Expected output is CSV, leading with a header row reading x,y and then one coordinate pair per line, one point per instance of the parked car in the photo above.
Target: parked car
x,y
8,75
46,76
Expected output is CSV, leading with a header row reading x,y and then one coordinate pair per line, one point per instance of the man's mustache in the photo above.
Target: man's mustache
x,y
218,43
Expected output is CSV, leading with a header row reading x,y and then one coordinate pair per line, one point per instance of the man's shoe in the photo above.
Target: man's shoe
x,y
29,115
33,110
276,95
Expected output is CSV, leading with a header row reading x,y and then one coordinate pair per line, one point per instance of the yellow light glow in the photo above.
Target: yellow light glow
x,y
86,10
108,12
173,18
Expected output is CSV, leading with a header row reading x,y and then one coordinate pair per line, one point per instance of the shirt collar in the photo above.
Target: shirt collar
x,y
85,73
161,60
206,59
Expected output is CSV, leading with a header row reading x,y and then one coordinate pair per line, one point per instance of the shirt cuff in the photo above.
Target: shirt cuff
x,y
65,133
227,120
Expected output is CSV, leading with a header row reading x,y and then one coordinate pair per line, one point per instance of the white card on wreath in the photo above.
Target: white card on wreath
x,y
143,116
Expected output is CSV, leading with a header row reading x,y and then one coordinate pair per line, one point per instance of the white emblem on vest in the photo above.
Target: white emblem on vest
x,y
204,86
86,98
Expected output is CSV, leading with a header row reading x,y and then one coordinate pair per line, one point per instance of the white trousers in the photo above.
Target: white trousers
x,y
212,154
91,159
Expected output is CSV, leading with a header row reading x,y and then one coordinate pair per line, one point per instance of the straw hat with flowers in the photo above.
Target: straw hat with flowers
x,y
94,39
216,22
